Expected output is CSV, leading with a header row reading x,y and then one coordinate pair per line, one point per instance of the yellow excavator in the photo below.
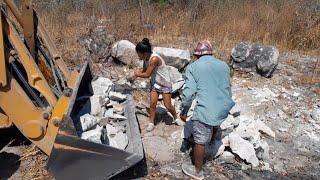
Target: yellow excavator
x,y
39,95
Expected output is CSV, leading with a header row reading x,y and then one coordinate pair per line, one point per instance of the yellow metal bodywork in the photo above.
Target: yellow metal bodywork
x,y
4,121
21,111
35,77
39,124
3,77
44,37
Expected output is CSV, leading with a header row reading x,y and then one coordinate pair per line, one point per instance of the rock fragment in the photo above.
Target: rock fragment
x,y
96,103
262,127
118,117
111,115
262,150
101,85
93,135
101,117
118,108
115,96
316,114
227,157
119,140
88,121
108,113
243,148
266,167
230,123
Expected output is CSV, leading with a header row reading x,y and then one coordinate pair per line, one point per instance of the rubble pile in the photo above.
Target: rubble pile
x,y
102,116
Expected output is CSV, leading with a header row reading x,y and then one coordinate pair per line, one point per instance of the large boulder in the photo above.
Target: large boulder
x,y
177,58
125,52
261,58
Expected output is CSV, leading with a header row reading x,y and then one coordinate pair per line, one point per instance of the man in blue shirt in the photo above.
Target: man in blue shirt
x,y
207,82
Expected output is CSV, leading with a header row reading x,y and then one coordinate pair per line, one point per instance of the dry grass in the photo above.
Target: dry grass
x,y
289,25
35,161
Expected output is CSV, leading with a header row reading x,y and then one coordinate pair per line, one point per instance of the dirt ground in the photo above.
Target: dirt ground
x,y
294,152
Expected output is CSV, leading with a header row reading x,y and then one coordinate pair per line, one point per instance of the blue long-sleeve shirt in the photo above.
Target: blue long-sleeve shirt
x,y
208,81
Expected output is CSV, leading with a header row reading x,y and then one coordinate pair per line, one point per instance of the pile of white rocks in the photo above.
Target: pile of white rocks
x,y
243,138
102,116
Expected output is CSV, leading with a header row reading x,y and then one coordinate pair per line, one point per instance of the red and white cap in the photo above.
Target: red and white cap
x,y
203,48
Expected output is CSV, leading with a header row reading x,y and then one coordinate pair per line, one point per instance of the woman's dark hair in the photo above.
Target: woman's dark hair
x,y
144,46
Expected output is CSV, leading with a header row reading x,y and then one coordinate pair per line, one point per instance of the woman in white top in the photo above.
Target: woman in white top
x,y
155,67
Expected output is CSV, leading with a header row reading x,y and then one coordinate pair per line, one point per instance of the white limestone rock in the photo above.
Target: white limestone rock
x,y
93,135
88,121
243,148
96,104
116,96
101,86
227,157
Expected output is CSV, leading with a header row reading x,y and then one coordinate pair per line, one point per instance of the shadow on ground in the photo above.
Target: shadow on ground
x,y
10,162
138,171
12,137
163,116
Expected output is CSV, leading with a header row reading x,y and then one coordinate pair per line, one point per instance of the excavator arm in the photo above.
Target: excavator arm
x,y
38,95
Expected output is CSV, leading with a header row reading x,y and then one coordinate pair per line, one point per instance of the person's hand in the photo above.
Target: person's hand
x,y
183,118
136,73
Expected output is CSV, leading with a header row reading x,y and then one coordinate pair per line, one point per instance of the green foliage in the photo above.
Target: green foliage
x,y
163,2
131,66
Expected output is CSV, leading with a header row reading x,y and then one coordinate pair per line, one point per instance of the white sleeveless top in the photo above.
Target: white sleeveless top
x,y
160,74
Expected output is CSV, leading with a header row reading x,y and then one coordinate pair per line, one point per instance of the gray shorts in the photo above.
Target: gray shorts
x,y
201,132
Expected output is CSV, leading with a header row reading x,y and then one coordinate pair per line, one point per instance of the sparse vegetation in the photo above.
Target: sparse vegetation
x,y
288,25
293,24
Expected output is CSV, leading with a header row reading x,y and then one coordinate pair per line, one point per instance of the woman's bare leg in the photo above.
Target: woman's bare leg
x,y
168,105
153,105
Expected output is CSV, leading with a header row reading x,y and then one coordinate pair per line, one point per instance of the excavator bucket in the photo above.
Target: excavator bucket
x,y
75,158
